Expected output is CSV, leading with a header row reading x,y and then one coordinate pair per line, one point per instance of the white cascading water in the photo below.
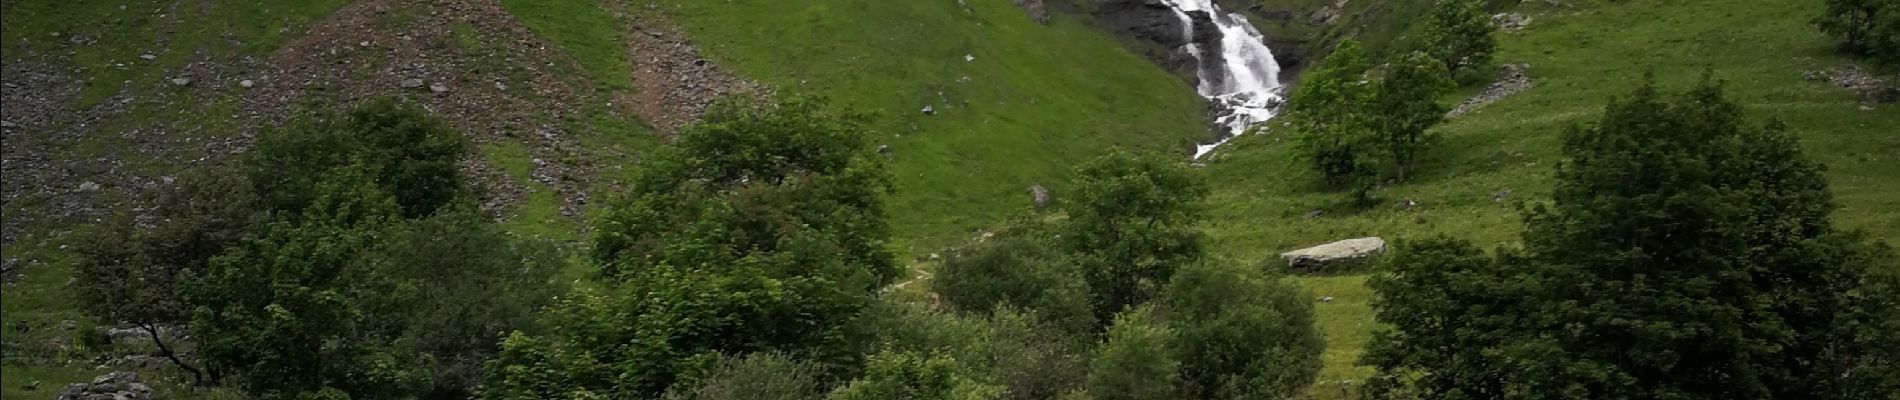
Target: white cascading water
x,y
1246,82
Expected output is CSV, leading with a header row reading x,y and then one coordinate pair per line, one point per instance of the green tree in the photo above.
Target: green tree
x,y
1458,33
130,273
1864,27
1241,334
450,286
1138,362
1334,133
760,229
413,157
1131,224
1406,105
279,312
760,169
1686,254
1449,308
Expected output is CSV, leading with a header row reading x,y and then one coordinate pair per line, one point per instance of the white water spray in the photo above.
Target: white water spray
x,y
1245,80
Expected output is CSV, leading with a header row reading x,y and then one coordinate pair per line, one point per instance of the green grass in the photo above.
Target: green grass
x,y
512,157
1346,323
586,31
1038,99
1761,47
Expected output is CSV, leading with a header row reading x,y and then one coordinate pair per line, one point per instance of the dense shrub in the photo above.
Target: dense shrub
x,y
413,157
1139,361
1241,334
760,229
1019,268
906,375
762,376
372,276
452,285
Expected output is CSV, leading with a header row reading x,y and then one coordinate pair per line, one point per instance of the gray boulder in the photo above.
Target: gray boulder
x,y
119,385
1332,256
1039,195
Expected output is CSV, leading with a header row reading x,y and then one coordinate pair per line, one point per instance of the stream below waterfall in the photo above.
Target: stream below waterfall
x,y
1240,77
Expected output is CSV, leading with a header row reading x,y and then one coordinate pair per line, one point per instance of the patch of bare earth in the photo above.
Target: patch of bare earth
x,y
673,83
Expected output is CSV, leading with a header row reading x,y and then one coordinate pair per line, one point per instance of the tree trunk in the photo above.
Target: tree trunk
x,y
197,376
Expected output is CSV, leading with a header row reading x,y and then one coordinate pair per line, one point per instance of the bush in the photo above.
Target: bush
x,y
1139,361
1024,356
413,157
452,285
1029,359
760,229
1241,334
759,376
743,178
1017,268
906,375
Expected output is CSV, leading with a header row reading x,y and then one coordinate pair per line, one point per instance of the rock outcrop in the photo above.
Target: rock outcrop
x,y
1039,196
1333,256
119,385
1870,89
1037,11
1511,80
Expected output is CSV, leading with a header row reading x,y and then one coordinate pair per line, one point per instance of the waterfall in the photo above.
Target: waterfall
x,y
1243,81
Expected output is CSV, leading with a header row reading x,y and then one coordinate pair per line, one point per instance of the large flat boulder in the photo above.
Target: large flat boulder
x,y
1332,256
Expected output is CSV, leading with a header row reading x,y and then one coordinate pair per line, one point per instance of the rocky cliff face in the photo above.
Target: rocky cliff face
x,y
1157,32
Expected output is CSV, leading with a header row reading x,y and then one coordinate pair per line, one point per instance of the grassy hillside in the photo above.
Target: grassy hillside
x,y
1028,104
1761,47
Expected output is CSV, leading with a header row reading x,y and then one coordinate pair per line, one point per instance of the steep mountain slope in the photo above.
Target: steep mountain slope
x,y
1015,103
1504,153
